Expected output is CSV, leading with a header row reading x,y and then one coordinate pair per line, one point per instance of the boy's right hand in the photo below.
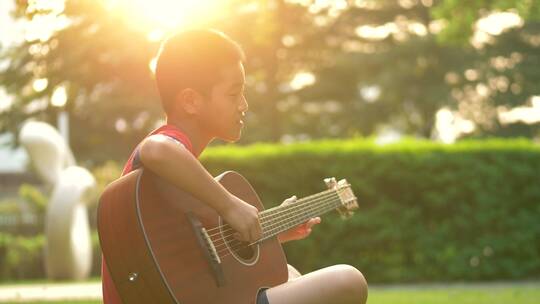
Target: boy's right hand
x,y
244,219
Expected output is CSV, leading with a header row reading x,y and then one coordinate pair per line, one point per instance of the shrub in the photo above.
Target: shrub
x,y
22,257
469,211
428,212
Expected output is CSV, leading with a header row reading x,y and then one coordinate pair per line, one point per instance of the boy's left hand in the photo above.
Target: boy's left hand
x,y
299,232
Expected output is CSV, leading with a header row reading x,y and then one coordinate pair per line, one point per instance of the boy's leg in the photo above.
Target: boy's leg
x,y
336,284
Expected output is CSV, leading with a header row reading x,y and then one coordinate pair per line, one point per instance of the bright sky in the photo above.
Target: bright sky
x,y
10,30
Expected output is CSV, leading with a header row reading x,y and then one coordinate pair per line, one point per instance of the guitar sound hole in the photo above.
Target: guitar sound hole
x,y
243,250
240,250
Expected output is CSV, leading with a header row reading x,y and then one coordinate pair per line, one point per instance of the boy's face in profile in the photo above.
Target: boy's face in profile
x,y
223,110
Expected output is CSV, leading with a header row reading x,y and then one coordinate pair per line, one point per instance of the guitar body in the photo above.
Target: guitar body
x,y
150,235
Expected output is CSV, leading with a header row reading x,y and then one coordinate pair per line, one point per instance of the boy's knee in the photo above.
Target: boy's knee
x,y
293,272
354,284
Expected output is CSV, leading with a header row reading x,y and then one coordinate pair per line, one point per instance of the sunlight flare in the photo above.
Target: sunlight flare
x,y
169,14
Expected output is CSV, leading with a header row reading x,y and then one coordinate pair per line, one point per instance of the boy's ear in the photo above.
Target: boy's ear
x,y
189,101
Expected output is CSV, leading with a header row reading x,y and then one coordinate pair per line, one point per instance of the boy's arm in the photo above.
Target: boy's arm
x,y
178,166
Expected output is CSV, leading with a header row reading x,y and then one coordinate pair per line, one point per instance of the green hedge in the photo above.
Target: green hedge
x,y
428,212
22,257
469,211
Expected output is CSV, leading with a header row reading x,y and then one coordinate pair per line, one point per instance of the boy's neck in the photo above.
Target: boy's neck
x,y
198,140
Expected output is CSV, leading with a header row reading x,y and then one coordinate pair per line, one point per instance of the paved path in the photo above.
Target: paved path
x,y
52,292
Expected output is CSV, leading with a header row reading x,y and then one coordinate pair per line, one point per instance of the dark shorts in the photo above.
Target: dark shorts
x,y
261,297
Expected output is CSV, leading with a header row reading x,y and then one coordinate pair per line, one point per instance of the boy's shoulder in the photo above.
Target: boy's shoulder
x,y
169,132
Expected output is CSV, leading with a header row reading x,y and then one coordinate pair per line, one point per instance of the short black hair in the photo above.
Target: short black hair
x,y
192,59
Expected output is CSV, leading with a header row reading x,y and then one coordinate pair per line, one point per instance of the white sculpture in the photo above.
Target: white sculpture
x,y
68,250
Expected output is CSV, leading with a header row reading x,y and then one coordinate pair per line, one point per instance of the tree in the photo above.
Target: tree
x,y
390,50
461,15
315,69
501,76
101,62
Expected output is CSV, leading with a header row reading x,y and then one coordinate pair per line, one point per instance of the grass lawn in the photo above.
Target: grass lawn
x,y
493,293
57,302
488,293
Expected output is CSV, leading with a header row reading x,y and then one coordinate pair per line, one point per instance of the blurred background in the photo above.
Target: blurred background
x,y
431,110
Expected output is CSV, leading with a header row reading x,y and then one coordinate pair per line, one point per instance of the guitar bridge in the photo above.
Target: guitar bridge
x,y
208,249
210,246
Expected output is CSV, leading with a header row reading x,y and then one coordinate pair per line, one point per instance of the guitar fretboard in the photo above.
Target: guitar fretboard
x,y
279,219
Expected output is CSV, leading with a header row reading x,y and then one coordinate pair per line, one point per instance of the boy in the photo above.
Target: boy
x,y
200,77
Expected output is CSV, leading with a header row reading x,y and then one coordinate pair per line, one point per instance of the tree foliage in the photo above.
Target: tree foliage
x,y
461,15
401,76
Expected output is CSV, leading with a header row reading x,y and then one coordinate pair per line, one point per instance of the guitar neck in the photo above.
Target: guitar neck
x,y
282,218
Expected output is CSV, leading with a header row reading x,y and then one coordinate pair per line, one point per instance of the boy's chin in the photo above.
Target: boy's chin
x,y
231,137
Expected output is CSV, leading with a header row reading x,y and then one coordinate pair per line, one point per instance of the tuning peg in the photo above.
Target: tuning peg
x,y
330,182
342,183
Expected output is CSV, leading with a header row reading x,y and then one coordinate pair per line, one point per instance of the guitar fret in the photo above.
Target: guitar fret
x,y
295,221
282,218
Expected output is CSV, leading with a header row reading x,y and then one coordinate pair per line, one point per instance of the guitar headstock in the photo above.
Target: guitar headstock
x,y
347,198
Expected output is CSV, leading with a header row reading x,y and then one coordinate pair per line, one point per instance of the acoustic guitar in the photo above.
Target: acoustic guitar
x,y
162,245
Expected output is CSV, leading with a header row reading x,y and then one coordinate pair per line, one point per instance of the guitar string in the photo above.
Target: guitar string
x,y
238,246
271,232
268,215
283,218
265,213
299,201
271,216
314,207
244,245
284,215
